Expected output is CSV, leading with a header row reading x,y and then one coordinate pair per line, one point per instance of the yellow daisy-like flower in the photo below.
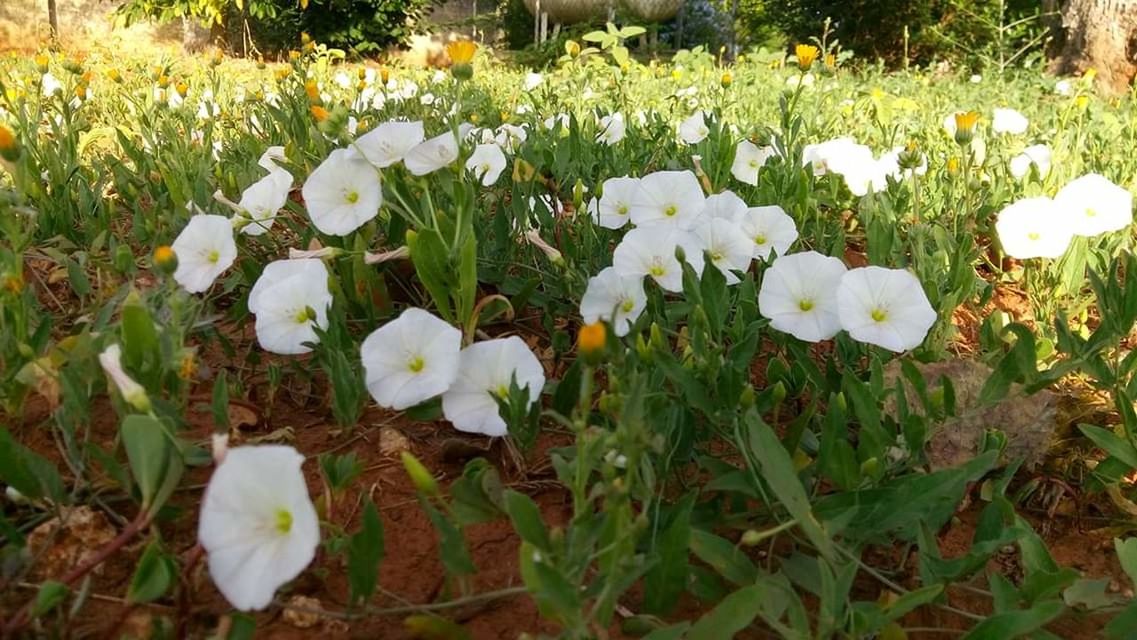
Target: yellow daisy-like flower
x,y
591,338
965,122
461,51
319,113
806,55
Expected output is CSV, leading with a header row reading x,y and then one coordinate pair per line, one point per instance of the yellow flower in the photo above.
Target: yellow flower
x,y
182,88
384,74
591,339
81,91
165,259
953,166
831,61
9,146
163,81
572,48
41,62
461,51
1082,101
313,91
293,55
1089,75
965,126
806,54
114,76
319,113
726,80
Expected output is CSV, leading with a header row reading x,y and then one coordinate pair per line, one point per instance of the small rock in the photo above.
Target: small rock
x,y
75,537
392,442
304,615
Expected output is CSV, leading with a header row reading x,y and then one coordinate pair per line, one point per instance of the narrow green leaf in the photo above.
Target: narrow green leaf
x,y
1015,624
364,553
526,518
667,579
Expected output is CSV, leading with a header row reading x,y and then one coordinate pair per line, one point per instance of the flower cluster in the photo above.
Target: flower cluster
x,y
1042,227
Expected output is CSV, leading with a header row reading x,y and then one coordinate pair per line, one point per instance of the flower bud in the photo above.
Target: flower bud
x,y
165,260
572,48
421,477
726,80
751,537
42,62
806,55
965,123
591,341
9,146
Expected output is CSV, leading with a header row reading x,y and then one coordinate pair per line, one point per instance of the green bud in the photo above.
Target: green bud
x,y
751,537
421,477
779,393
746,398
870,467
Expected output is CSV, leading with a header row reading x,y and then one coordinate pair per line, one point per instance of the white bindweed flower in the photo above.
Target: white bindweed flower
x,y
205,249
612,129
694,130
257,524
771,230
1063,87
1094,205
290,299
650,251
561,119
269,159
671,198
1034,228
618,299
885,307
486,163
725,245
726,205
388,142
410,359
615,205
485,373
749,158
1009,121
510,136
839,155
50,84
262,199
132,392
799,295
1037,155
532,81
342,194
432,155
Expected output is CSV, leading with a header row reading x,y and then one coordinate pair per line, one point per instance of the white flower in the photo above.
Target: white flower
x,y
694,130
616,200
388,143
748,159
486,163
132,392
726,205
262,199
510,136
1063,87
342,194
426,99
885,307
272,155
50,84
410,359
257,524
432,155
725,245
1034,228
485,372
612,129
290,299
618,299
1009,121
205,249
1094,205
561,118
839,155
770,228
976,78
799,295
806,81
1037,155
532,81
672,198
650,251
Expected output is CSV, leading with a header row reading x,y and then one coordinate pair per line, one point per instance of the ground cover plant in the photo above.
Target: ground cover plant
x,y
672,349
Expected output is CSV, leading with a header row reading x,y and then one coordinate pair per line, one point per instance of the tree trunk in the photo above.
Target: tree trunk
x,y
53,20
1099,34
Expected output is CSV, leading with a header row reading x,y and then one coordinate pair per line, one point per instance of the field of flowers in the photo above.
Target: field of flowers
x,y
787,347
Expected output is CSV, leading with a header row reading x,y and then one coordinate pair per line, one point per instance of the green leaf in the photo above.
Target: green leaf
x,y
777,469
467,291
28,472
49,596
732,615
674,632
1088,593
242,627
476,496
432,264
220,405
364,553
526,518
1127,555
1015,624
725,558
154,460
139,337
152,578
667,578
451,546
1113,444
1123,624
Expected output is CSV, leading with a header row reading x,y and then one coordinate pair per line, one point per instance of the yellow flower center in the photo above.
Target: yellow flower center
x,y
1033,236
304,315
627,305
716,256
213,256
879,315
283,520
759,239
416,364
657,270
352,197
1090,213
502,391
671,210
622,210
753,164
805,305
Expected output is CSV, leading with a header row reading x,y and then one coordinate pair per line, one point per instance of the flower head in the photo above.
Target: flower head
x,y
725,246
618,299
726,205
388,142
591,339
749,158
965,123
612,129
650,251
290,299
1037,156
342,194
410,359
262,199
433,154
1034,228
771,230
132,392
799,295
670,198
1094,205
1009,121
694,129
9,146
806,54
485,374
614,208
205,249
885,307
461,51
257,525
486,163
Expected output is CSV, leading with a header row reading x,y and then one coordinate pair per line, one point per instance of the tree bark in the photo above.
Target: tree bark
x,y
1099,34
53,20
